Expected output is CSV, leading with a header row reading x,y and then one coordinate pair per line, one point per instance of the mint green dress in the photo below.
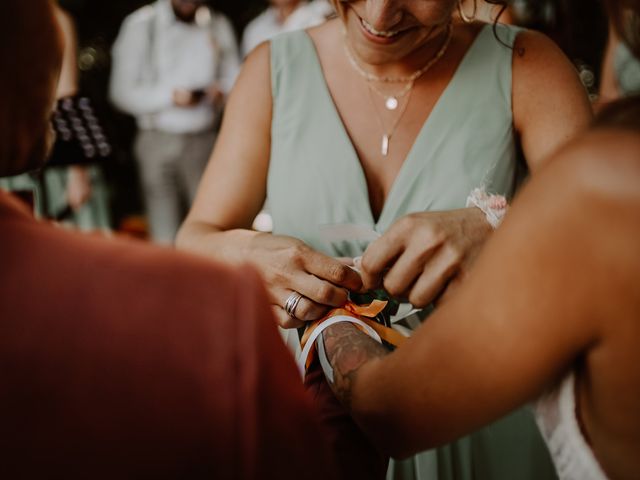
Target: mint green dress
x,y
93,215
627,68
315,179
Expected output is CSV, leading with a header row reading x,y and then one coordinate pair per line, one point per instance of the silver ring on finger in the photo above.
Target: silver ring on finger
x,y
292,303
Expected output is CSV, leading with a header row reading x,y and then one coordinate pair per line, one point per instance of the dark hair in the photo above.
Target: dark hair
x,y
30,59
503,5
625,18
622,114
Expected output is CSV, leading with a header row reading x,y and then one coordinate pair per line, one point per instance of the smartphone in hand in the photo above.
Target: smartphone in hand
x,y
198,94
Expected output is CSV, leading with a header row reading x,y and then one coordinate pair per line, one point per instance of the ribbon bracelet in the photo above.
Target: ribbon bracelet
x,y
359,315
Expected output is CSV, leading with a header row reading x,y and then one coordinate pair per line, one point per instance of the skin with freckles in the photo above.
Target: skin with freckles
x,y
387,38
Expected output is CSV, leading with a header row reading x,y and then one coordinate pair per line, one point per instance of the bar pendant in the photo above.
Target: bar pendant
x,y
385,145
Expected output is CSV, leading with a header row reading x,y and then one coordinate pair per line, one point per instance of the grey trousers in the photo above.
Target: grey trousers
x,y
170,166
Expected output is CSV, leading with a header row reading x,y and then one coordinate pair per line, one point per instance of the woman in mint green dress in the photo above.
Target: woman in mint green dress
x,y
393,112
620,76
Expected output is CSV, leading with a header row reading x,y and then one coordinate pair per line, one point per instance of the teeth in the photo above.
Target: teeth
x,y
378,33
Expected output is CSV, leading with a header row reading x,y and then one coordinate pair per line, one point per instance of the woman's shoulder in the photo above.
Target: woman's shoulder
x,y
600,170
613,142
288,45
608,158
299,51
535,53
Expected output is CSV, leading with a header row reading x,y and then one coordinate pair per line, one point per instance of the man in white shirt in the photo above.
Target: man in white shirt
x,y
284,16
173,64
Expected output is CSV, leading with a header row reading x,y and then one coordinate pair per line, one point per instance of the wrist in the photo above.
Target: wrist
x,y
494,207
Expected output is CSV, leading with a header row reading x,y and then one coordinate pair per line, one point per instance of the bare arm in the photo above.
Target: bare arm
x,y
78,188
535,302
231,194
550,104
233,187
609,89
68,83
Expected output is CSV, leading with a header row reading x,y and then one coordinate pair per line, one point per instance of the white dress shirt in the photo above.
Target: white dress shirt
x,y
266,25
155,53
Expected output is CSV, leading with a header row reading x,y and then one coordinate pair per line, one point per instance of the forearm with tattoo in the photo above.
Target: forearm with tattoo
x,y
347,350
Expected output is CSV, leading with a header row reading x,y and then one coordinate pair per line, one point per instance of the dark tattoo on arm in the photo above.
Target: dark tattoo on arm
x,y
347,349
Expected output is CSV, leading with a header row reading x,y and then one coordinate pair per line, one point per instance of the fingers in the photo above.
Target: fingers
x,y
438,272
332,270
306,310
293,267
376,259
320,291
317,298
284,319
405,271
348,261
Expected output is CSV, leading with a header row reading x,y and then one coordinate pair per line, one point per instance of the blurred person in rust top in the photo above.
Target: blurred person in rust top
x,y
120,360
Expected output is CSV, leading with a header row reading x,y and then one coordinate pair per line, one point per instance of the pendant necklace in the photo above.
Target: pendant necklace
x,y
388,133
392,101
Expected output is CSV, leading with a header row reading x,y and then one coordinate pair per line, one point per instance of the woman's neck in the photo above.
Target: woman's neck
x,y
412,62
283,12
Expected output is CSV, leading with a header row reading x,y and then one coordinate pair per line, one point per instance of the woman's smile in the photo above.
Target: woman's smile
x,y
381,36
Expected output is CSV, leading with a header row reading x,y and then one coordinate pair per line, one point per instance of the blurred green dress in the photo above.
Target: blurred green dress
x,y
315,178
93,215
627,68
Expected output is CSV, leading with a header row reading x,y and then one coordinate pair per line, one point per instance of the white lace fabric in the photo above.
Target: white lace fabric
x,y
556,416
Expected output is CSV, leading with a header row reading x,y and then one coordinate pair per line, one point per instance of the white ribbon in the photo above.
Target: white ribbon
x,y
302,358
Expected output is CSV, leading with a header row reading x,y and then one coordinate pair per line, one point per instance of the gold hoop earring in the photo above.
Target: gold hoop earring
x,y
463,15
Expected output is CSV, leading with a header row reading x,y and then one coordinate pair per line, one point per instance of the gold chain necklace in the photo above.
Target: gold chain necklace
x,y
370,77
392,101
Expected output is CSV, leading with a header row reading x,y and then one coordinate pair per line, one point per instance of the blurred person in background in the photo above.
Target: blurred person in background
x,y
283,16
620,68
174,62
77,190
119,359
484,12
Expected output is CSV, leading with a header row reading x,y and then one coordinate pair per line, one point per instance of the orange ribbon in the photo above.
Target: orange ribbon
x,y
365,313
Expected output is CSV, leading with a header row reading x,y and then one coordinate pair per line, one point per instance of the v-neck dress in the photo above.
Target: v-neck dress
x,y
315,179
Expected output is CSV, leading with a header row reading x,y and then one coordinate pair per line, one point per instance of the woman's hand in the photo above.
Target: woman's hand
x,y
422,253
78,187
289,265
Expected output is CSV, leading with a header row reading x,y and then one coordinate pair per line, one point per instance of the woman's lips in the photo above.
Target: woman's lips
x,y
382,37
